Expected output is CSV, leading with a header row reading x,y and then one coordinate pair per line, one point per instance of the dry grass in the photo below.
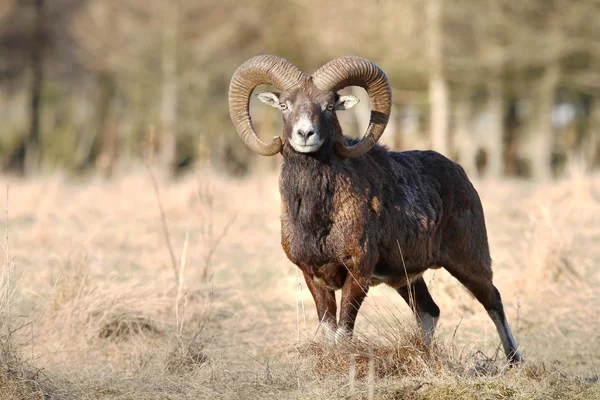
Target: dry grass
x,y
89,308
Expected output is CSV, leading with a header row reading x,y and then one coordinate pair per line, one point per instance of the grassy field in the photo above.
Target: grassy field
x,y
97,302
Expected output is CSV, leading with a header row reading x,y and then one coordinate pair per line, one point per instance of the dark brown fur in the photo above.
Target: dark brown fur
x,y
379,218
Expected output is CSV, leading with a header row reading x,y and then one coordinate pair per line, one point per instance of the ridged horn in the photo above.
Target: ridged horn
x,y
357,71
258,70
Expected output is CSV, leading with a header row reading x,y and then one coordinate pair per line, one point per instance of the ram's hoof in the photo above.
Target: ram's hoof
x,y
342,335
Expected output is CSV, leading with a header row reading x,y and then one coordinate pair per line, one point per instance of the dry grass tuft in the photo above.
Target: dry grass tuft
x,y
393,352
17,381
398,352
122,325
186,355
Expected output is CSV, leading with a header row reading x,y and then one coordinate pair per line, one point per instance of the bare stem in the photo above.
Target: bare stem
x,y
181,280
163,217
297,306
411,300
371,378
352,377
6,248
211,242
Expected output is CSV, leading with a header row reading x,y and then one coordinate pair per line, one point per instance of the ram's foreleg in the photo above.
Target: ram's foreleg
x,y
354,292
324,298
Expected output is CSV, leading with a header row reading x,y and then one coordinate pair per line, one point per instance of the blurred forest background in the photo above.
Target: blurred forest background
x,y
507,88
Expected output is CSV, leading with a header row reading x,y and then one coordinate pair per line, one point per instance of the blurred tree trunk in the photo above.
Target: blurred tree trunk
x,y
542,141
465,140
108,132
512,125
32,143
168,106
95,147
84,150
495,133
438,87
591,140
110,148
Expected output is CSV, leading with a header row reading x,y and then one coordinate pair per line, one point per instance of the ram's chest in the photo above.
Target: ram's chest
x,y
333,230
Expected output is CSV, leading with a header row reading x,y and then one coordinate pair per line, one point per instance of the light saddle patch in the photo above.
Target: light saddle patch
x,y
395,281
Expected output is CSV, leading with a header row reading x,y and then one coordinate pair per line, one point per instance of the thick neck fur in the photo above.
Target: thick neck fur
x,y
307,184
308,180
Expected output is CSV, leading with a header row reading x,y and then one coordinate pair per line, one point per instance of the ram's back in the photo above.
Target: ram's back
x,y
447,194
439,176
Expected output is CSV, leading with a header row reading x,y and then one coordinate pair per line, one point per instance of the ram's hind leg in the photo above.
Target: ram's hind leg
x,y
417,296
479,282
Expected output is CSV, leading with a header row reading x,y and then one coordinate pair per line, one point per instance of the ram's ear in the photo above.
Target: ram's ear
x,y
346,102
269,98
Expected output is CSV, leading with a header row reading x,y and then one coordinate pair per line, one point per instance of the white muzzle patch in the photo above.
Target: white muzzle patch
x,y
305,136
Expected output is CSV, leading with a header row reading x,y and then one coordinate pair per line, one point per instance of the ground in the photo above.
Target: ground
x,y
98,303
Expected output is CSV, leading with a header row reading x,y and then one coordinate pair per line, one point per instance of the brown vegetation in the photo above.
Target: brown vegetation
x,y
89,300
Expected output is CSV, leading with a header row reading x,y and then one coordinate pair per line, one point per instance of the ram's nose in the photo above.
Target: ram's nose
x,y
305,133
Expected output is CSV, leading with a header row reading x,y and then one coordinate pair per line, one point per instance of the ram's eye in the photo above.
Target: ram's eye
x,y
330,107
283,106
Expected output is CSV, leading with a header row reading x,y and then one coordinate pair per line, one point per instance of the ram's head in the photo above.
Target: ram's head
x,y
308,103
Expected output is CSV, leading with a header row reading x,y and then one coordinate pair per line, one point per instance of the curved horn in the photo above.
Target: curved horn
x,y
357,71
259,70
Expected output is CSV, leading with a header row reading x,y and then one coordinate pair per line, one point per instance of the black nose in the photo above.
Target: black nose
x,y
305,134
